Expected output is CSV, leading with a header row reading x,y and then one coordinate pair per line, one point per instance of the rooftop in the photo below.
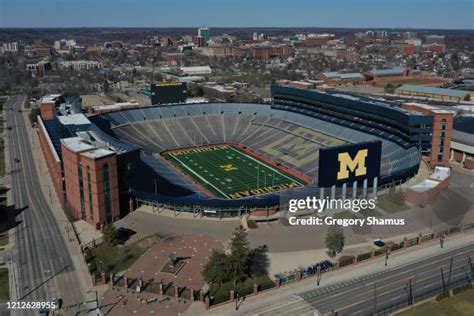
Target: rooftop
x,y
434,90
425,185
76,144
196,69
430,108
348,75
74,119
462,137
50,98
97,153
391,71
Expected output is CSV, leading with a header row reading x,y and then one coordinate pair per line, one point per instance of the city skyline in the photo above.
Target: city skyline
x,y
421,14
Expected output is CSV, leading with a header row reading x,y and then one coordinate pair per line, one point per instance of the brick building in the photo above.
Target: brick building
x,y
439,153
91,182
84,172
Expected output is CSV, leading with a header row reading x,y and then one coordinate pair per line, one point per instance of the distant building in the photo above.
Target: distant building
x,y
217,91
434,39
80,64
9,47
337,78
39,68
173,58
435,48
205,33
101,109
388,73
296,84
196,70
199,41
433,93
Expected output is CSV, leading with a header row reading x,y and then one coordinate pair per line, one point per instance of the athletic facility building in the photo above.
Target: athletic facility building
x,y
226,159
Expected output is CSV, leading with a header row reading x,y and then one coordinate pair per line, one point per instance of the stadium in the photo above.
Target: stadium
x,y
228,158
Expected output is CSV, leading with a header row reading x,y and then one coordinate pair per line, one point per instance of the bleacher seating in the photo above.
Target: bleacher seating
x,y
261,127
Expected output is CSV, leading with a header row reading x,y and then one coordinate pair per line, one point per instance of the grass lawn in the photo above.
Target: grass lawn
x,y
115,258
245,288
4,285
230,172
460,305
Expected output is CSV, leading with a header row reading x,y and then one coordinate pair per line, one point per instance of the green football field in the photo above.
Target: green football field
x,y
230,172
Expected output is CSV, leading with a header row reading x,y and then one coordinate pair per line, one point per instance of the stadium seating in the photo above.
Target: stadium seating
x,y
282,132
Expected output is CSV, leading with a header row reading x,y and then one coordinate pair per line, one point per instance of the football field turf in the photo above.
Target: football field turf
x,y
230,172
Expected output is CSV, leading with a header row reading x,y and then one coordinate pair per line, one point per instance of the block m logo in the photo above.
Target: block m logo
x,y
347,164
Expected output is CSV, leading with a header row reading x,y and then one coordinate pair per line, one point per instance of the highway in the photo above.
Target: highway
x,y
383,292
43,267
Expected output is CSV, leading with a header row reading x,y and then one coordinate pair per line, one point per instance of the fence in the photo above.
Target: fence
x,y
289,277
92,244
169,289
159,288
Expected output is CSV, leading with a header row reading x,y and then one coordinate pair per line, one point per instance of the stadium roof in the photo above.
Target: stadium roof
x,y
464,124
433,90
462,137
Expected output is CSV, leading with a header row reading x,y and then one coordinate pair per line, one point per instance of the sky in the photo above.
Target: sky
x,y
432,14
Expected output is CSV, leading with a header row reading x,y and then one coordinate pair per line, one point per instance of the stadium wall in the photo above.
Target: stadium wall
x,y
53,162
410,127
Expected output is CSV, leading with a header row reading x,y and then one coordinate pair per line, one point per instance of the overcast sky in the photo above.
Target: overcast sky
x,y
450,14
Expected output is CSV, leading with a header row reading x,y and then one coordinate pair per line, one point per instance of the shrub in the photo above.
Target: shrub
x,y
442,296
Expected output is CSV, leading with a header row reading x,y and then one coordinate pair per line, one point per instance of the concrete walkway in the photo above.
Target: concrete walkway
x,y
284,295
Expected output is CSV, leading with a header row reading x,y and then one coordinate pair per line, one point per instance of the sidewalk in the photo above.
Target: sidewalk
x,y
284,294
85,282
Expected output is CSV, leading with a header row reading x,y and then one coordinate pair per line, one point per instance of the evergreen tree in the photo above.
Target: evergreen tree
x,y
110,234
335,239
216,269
238,259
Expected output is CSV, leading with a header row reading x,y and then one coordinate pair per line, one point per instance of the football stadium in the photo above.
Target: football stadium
x,y
228,158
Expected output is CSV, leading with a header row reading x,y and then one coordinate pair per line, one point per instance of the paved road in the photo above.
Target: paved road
x,y
383,291
43,265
